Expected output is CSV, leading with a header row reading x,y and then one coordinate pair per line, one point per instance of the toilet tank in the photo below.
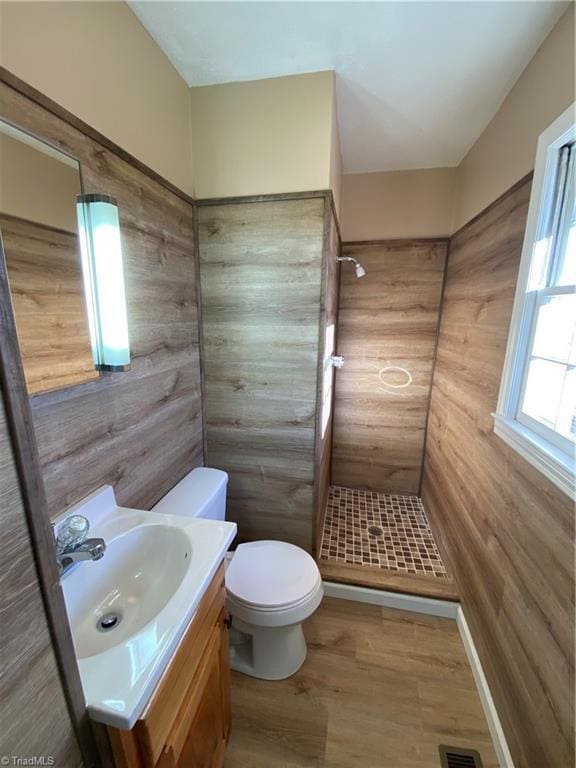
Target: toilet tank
x,y
202,493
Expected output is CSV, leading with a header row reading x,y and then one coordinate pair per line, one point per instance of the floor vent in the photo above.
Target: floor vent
x,y
454,757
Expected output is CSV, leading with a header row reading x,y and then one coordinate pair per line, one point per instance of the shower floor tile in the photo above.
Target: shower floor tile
x,y
380,530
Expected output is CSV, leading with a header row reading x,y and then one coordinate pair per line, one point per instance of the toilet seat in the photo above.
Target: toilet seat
x,y
284,617
271,588
233,600
271,576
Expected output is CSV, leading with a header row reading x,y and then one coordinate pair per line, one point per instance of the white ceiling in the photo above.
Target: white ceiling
x,y
417,82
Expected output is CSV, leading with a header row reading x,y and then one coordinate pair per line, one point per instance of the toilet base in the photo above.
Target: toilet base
x,y
268,653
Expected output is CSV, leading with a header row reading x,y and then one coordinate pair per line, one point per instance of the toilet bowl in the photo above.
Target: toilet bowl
x,y
271,586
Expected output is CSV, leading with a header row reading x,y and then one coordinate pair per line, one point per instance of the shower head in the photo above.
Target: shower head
x,y
359,269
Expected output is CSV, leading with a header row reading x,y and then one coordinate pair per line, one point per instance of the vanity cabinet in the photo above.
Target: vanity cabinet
x,y
186,723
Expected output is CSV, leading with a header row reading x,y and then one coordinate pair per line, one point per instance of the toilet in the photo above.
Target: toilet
x,y
271,586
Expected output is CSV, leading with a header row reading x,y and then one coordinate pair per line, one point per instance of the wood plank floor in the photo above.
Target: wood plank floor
x,y
380,689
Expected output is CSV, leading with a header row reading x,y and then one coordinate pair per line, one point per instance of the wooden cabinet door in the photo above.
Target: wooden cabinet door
x,y
166,718
208,735
205,743
167,759
225,685
187,722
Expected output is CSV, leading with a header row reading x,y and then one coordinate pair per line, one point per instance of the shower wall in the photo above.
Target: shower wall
x,y
387,327
267,272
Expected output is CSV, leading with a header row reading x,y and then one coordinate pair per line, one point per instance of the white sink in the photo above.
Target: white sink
x,y
146,589
139,573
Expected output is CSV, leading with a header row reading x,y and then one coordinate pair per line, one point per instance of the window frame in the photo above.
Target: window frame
x,y
527,436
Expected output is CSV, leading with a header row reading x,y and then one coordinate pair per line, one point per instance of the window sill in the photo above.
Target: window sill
x,y
550,461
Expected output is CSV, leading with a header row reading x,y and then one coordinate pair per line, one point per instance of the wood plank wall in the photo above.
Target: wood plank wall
x,y
141,431
48,298
261,279
506,532
34,718
388,318
326,372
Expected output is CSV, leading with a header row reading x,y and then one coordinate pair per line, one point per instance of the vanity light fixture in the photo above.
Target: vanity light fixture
x,y
101,249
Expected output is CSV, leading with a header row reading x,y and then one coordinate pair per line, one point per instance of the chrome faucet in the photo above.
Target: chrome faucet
x,y
72,544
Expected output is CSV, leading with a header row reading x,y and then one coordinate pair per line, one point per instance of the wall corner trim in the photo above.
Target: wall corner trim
x,y
490,712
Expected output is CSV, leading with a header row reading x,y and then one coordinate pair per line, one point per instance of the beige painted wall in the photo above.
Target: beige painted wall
x,y
36,186
436,202
263,136
505,151
97,60
398,204
335,179
277,135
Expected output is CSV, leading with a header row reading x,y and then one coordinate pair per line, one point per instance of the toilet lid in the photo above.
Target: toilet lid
x,y
271,574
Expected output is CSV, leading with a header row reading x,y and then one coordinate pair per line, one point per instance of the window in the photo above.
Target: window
x,y
536,412
328,382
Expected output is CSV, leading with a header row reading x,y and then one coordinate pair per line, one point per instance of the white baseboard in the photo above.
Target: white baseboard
x,y
415,603
494,725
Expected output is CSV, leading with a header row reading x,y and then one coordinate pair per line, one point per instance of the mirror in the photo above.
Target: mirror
x,y
38,189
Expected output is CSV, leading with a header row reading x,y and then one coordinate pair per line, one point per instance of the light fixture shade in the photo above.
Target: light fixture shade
x,y
101,249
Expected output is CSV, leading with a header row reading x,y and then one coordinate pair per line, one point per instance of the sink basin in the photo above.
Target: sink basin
x,y
139,573
129,610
